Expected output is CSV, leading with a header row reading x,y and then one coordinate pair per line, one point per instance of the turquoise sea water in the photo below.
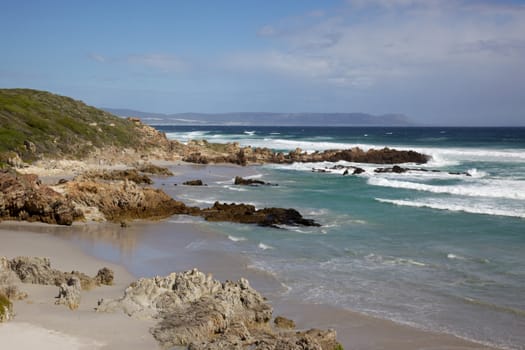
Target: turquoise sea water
x,y
429,249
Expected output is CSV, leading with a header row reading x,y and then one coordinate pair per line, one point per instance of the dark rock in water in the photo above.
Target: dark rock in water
x,y
247,214
395,169
249,182
193,183
358,171
23,197
198,312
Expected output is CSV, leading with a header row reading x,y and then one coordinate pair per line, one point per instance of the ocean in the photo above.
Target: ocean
x,y
438,251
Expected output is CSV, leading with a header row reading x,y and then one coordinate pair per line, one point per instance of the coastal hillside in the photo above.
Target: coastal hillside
x,y
37,123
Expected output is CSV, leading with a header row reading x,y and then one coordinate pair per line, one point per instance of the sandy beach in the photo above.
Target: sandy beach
x,y
156,248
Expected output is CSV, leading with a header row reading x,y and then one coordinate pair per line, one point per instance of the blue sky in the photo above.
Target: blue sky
x,y
454,62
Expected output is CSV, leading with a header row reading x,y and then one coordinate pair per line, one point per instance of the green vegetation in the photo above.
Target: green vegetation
x,y
34,123
5,307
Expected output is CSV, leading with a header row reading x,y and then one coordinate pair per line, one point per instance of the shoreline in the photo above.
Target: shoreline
x,y
79,251
108,242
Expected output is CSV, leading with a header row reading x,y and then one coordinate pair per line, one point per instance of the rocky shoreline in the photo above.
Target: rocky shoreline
x,y
190,309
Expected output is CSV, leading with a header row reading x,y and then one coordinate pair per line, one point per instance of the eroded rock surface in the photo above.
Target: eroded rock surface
x,y
69,293
250,182
247,214
203,152
38,270
23,197
115,175
123,200
197,311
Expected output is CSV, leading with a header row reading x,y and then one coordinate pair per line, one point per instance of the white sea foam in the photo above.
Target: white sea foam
x,y
475,173
455,257
462,206
186,136
441,157
236,239
509,189
235,188
265,246
389,260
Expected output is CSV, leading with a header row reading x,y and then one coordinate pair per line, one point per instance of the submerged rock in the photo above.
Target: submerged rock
x,y
193,183
250,182
196,311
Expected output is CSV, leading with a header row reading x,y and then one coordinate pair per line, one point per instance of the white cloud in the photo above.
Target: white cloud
x,y
96,57
367,42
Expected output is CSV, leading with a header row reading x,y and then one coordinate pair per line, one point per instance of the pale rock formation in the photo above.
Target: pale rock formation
x,y
196,311
69,293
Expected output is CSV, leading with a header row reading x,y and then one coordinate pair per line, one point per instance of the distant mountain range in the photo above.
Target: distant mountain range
x,y
262,118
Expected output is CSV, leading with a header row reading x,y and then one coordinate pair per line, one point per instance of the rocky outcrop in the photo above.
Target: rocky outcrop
x,y
153,169
250,182
247,214
24,197
283,322
115,175
69,293
124,200
203,152
8,281
193,183
38,270
194,310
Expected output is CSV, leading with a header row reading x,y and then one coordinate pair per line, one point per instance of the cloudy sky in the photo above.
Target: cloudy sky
x,y
454,62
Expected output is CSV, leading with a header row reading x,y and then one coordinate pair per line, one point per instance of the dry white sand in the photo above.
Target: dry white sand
x,y
40,324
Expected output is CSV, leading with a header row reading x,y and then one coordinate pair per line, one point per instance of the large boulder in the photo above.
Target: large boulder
x,y
124,200
194,310
24,197
247,214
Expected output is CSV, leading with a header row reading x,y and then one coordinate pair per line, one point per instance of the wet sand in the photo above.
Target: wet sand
x,y
157,248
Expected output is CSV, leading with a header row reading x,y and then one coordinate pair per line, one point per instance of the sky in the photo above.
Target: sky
x,y
440,62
